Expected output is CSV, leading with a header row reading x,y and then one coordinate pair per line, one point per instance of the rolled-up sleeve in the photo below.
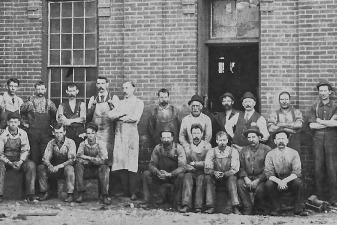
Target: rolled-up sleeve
x,y
48,153
296,165
269,168
71,149
235,161
153,165
262,124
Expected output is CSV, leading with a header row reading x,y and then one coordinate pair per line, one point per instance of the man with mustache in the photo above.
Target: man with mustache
x,y
242,121
195,171
288,118
221,165
41,113
72,114
196,117
163,115
251,174
98,108
283,172
323,122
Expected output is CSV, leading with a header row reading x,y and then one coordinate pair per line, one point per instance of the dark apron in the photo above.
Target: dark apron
x,y
41,120
12,149
168,163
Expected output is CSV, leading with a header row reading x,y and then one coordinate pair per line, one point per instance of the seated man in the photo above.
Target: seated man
x,y
283,171
91,161
251,175
167,164
195,156
58,160
14,151
221,165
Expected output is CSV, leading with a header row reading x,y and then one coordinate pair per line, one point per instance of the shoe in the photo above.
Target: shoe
x,y
333,204
32,199
79,198
197,210
44,196
106,200
184,209
301,212
210,211
275,213
133,197
236,210
159,201
70,198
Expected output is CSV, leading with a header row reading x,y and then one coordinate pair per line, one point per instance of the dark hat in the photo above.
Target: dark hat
x,y
254,129
197,98
248,94
13,115
281,130
324,83
227,94
167,129
92,126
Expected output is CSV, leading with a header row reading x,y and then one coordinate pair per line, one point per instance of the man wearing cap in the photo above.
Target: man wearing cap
x,y
251,174
195,156
221,166
196,117
288,118
14,151
163,115
323,121
167,165
283,172
91,162
242,121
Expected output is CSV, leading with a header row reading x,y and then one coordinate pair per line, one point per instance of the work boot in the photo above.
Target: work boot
x,y
197,210
79,198
275,213
184,209
70,197
133,197
210,211
31,199
44,196
236,210
106,200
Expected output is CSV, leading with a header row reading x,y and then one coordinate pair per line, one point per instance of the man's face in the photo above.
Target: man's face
x,y
324,92
12,88
91,134
101,85
166,138
281,140
253,139
222,141
248,104
59,134
227,103
163,98
40,90
13,124
72,92
196,135
196,108
128,89
284,101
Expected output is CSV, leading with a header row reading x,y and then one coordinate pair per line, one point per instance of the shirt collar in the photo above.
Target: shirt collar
x,y
9,133
86,142
329,104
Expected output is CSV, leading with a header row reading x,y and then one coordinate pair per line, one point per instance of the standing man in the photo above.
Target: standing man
x,y
196,117
288,118
58,161
244,120
163,115
9,101
195,171
323,121
126,147
221,165
72,114
91,161
251,174
98,108
283,171
41,113
14,151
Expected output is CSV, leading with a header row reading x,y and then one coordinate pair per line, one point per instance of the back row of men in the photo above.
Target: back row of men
x,y
122,142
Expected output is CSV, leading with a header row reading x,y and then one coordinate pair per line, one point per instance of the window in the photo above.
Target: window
x,y
72,47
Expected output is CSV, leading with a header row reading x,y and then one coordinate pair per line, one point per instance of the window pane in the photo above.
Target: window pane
x,y
55,26
92,74
54,57
78,9
81,89
56,101
54,41
78,41
79,74
55,75
91,89
66,58
90,41
78,25
66,41
55,90
54,10
90,25
90,9
67,26
90,57
67,9
67,75
78,57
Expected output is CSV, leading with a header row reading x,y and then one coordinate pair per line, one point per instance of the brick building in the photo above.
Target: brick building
x,y
187,46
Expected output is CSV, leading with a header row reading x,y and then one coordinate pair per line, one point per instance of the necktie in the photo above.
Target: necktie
x,y
102,98
13,100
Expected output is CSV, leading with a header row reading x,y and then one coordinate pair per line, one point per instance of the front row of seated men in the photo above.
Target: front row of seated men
x,y
255,171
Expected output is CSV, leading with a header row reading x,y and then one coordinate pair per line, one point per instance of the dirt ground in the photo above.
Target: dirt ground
x,y
122,212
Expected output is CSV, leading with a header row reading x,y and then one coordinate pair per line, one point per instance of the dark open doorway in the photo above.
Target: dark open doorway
x,y
234,69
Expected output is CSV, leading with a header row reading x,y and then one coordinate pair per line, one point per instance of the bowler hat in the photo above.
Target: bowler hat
x,y
167,129
281,130
248,94
92,126
227,94
197,98
253,129
324,83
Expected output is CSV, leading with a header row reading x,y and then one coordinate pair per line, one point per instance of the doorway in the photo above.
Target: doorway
x,y
235,69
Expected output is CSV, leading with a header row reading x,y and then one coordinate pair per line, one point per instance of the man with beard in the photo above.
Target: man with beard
x,y
72,114
41,113
244,120
221,165
283,172
288,118
323,121
98,108
126,148
251,174
194,175
196,117
9,101
166,166
163,115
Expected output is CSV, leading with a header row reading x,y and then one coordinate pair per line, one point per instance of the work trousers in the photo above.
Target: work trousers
x,y
38,139
244,193
187,191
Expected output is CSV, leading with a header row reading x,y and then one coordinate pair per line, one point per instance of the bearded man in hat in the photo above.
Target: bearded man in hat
x,y
244,120
196,117
323,121
251,174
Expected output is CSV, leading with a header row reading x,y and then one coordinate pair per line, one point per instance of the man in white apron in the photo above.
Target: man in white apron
x,y
98,107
